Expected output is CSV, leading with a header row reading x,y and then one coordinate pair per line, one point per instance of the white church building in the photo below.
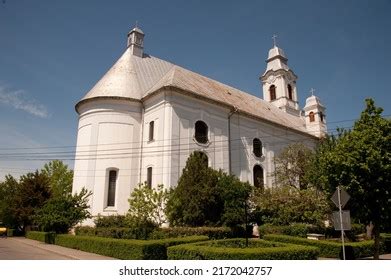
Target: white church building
x,y
144,117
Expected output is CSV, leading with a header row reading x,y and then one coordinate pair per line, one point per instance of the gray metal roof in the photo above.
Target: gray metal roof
x,y
134,77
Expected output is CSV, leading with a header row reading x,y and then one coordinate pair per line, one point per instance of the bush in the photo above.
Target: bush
x,y
160,233
46,237
110,221
235,249
294,230
112,232
211,232
10,232
124,249
328,249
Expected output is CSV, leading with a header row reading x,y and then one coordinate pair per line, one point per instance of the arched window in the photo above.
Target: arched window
x,y
151,131
258,176
312,116
290,93
149,176
272,91
112,184
201,132
257,147
321,116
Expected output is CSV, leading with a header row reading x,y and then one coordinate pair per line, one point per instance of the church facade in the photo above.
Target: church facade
x,y
145,116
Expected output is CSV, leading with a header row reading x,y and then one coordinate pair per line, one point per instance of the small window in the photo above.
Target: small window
x,y
321,116
312,116
201,132
258,176
149,176
272,91
257,147
111,188
290,94
151,130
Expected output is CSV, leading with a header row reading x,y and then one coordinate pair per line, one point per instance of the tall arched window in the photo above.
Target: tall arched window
x,y
201,132
112,184
149,176
312,116
272,91
258,176
290,93
257,147
321,116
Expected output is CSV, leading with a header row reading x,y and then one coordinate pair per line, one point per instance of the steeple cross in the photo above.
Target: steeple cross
x,y
274,39
312,91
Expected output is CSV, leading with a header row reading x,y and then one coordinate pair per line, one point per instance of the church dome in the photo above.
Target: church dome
x,y
276,52
313,101
136,29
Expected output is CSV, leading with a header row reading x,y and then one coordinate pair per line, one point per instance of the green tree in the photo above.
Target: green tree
x,y
196,200
60,177
235,195
287,205
148,204
60,213
8,190
360,162
31,194
291,166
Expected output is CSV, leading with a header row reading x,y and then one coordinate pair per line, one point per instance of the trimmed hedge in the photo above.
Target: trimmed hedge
x,y
113,232
211,232
330,249
124,249
234,249
161,233
294,230
46,237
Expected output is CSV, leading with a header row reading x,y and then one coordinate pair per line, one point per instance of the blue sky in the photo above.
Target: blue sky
x,y
52,52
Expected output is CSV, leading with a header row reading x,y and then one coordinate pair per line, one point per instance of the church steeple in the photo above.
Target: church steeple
x,y
279,81
136,41
315,118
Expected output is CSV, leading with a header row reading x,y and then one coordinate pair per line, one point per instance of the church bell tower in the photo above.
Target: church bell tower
x,y
279,82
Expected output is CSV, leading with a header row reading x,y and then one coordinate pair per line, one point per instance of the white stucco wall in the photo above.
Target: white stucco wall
x,y
108,139
115,135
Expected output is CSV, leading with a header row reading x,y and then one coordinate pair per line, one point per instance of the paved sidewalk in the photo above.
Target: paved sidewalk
x,y
66,252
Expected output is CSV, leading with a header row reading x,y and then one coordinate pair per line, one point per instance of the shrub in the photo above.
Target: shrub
x,y
211,232
113,232
124,249
235,249
46,237
294,230
328,249
85,231
110,221
10,232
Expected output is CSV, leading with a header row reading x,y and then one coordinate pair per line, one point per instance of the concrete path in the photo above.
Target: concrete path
x,y
20,248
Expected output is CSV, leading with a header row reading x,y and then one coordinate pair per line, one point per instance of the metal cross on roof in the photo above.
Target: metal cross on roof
x,y
274,39
312,91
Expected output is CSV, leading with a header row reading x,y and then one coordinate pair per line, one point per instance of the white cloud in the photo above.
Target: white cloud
x,y
18,100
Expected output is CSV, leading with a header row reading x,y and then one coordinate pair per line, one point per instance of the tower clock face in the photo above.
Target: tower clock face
x,y
271,79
